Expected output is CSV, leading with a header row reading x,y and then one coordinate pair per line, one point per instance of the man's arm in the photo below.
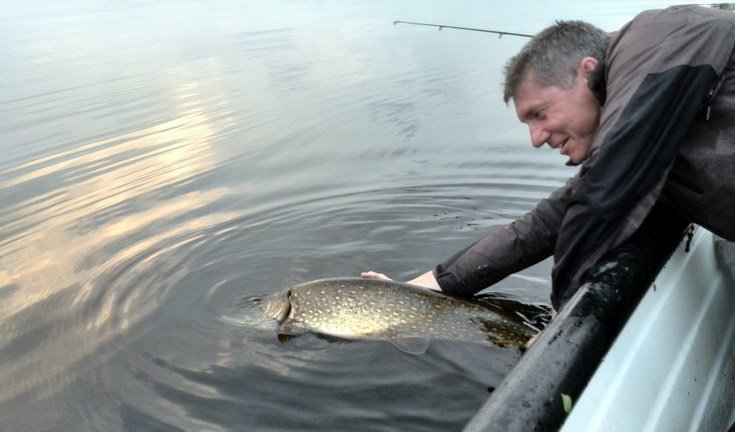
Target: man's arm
x,y
524,242
426,280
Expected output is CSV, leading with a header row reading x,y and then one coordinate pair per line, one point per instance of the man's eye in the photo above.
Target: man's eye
x,y
539,115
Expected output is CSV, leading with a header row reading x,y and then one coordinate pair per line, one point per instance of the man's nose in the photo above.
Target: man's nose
x,y
538,135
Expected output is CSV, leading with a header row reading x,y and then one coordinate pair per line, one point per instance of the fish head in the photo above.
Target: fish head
x,y
277,306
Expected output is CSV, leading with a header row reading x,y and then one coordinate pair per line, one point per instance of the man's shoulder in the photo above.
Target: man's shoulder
x,y
659,39
686,15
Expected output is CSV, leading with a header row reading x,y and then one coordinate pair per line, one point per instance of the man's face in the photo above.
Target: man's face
x,y
566,119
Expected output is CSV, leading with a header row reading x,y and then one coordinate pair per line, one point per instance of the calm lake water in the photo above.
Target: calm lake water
x,y
164,162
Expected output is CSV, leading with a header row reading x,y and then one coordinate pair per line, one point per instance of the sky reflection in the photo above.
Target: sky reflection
x,y
101,214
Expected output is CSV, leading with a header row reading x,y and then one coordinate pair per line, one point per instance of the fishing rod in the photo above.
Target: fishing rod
x,y
441,26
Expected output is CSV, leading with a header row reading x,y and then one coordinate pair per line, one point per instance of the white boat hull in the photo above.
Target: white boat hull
x,y
672,368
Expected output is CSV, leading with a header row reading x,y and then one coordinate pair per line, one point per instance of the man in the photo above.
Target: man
x,y
648,112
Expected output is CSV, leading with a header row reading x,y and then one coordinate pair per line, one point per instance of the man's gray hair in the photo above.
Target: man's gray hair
x,y
554,54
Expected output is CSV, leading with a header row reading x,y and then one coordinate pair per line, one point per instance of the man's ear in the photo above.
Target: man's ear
x,y
586,66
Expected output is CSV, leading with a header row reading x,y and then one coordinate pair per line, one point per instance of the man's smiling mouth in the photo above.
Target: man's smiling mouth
x,y
561,146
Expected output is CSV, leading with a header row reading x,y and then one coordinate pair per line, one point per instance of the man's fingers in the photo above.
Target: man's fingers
x,y
373,275
535,337
532,340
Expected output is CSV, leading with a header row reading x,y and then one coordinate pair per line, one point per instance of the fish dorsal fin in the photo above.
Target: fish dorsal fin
x,y
411,345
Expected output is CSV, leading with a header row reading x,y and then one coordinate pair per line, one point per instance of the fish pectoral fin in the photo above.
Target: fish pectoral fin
x,y
289,332
283,338
411,345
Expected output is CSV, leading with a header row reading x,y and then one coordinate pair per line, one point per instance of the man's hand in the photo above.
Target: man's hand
x,y
374,275
533,340
426,280
535,337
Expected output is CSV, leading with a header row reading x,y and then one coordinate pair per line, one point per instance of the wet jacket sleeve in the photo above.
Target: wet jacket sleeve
x,y
663,68
507,250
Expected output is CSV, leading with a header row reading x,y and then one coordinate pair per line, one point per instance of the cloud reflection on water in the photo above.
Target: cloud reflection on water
x,y
102,213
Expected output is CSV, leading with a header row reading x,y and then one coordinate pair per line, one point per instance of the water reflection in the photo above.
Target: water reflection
x,y
100,223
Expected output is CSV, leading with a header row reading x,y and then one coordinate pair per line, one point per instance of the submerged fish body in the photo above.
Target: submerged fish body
x,y
407,315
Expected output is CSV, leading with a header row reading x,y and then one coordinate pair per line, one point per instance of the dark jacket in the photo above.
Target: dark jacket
x,y
667,134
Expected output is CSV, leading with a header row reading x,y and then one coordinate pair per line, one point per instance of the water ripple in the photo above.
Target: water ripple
x,y
86,251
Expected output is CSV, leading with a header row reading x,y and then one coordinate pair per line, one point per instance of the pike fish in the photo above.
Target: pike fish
x,y
406,315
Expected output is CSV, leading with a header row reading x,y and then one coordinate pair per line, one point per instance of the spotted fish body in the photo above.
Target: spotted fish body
x,y
407,315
